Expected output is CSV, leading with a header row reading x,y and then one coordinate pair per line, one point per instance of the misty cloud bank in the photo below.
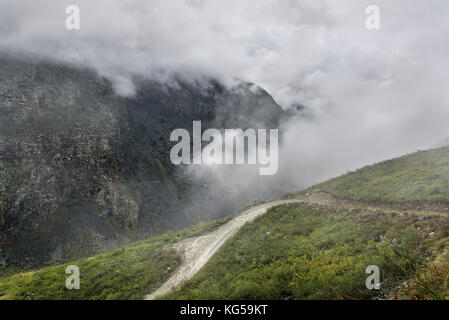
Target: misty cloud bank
x,y
369,94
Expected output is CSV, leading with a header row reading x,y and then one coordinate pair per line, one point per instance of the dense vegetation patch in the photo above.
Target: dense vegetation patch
x,y
126,273
306,251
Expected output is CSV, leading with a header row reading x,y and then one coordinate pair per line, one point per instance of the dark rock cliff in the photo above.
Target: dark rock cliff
x,y
83,170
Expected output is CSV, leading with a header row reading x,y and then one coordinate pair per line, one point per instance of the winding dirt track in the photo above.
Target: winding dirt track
x,y
198,250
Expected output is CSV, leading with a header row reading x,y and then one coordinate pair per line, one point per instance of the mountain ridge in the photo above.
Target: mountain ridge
x,y
83,170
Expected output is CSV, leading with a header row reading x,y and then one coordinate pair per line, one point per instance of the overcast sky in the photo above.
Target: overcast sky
x,y
373,94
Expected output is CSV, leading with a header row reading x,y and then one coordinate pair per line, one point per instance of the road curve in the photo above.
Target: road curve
x,y
198,250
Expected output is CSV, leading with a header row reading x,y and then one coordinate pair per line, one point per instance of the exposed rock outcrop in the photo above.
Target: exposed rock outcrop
x,y
83,169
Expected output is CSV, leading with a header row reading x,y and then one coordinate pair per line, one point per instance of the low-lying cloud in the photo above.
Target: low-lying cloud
x,y
369,94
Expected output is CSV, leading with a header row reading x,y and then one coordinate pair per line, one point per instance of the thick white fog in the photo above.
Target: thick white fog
x,y
369,94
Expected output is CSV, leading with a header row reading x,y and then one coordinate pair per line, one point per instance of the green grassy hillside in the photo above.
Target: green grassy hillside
x,y
316,249
126,273
321,250
418,177
307,251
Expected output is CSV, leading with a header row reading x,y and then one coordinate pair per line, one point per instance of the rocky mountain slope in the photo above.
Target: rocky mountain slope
x,y
83,170
313,244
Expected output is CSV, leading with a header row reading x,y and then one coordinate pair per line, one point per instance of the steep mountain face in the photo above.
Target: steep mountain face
x,y
83,170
